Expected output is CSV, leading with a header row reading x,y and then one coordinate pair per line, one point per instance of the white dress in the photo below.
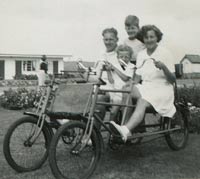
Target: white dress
x,y
155,88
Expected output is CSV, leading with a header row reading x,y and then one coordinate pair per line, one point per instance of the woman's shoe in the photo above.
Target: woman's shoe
x,y
123,131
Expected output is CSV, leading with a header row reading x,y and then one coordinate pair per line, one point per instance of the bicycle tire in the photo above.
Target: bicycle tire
x,y
12,153
177,140
64,167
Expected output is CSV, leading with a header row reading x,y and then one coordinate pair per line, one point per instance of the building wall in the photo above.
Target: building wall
x,y
9,68
196,68
10,65
189,67
60,66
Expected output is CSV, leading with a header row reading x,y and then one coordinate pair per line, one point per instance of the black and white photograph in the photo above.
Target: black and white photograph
x,y
99,89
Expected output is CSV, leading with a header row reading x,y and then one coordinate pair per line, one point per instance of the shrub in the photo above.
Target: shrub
x,y
25,77
190,94
19,98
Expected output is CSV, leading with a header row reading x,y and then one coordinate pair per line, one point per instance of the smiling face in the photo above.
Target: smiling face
x,y
132,31
110,41
124,55
150,40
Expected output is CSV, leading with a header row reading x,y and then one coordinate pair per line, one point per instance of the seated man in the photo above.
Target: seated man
x,y
118,70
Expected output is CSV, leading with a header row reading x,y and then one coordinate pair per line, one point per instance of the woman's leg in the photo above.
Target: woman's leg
x,y
138,115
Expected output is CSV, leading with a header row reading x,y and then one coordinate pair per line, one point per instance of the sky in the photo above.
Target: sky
x,y
73,27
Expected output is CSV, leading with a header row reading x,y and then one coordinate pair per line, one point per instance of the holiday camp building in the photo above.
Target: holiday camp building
x,y
17,64
191,65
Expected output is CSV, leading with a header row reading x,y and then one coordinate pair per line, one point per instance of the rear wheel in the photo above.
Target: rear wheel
x,y
21,154
178,139
65,157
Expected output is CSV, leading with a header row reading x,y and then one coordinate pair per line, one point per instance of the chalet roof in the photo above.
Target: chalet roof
x,y
32,55
191,58
72,65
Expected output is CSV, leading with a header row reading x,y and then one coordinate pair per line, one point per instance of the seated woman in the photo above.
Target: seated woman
x,y
157,77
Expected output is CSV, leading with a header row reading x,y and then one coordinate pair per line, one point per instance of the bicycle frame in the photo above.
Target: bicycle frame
x,y
47,93
94,116
91,104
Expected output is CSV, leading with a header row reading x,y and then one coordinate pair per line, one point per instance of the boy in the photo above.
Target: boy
x,y
124,69
132,28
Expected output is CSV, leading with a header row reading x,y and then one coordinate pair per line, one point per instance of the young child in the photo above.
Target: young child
x,y
132,28
124,69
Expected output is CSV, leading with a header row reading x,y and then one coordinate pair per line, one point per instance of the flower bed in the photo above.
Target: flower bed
x,y
19,98
23,98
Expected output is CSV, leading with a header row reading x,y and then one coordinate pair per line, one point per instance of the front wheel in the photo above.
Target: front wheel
x,y
66,158
21,154
177,139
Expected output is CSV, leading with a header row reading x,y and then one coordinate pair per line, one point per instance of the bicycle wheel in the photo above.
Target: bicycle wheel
x,y
177,139
65,158
20,153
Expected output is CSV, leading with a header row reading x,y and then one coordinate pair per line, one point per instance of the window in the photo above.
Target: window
x,y
28,65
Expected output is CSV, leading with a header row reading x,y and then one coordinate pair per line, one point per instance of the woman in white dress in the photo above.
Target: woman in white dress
x,y
157,78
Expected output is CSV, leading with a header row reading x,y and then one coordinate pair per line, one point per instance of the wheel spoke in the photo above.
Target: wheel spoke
x,y
66,159
20,153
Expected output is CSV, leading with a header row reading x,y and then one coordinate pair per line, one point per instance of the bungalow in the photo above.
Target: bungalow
x,y
191,65
17,64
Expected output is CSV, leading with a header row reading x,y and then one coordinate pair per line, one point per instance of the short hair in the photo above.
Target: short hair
x,y
132,20
110,30
124,48
143,32
44,57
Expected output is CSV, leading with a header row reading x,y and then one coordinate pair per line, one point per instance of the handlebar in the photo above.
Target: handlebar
x,y
145,62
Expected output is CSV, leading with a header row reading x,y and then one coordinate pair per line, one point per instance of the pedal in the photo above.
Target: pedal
x,y
116,139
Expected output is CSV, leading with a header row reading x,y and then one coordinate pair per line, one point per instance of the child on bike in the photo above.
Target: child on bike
x,y
124,69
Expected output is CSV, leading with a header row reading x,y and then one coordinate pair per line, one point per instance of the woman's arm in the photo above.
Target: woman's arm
x,y
169,75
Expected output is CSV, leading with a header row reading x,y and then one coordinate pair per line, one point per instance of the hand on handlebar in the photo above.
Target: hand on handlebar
x,y
108,66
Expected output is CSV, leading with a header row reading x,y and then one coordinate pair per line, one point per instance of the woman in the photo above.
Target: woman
x,y
42,71
157,78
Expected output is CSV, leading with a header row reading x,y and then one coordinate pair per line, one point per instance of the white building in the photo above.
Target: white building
x,y
191,65
17,64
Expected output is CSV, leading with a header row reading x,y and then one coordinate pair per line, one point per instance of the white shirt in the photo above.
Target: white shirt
x,y
111,57
136,46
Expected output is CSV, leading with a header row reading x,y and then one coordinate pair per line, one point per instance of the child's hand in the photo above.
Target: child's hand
x,y
108,66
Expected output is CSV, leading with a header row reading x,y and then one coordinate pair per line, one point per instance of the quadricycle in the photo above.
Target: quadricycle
x,y
68,128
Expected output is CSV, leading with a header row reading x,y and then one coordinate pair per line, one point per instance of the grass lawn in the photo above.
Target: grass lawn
x,y
152,160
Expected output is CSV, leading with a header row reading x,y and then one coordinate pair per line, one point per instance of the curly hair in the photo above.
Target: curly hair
x,y
125,48
143,32
110,30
